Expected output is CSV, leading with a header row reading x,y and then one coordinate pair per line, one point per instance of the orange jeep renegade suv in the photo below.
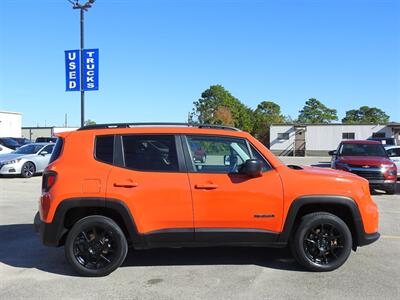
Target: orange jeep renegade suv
x,y
111,186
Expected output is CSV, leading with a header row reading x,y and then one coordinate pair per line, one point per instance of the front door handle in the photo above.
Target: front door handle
x,y
126,184
206,186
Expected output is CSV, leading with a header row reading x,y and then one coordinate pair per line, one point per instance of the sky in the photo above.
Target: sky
x,y
158,56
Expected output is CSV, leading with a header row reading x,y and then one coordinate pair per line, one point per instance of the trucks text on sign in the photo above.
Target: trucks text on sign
x,y
90,70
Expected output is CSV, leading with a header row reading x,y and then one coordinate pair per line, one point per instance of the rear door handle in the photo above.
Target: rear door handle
x,y
206,186
126,184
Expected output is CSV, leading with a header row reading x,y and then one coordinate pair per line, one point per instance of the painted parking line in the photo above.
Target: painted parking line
x,y
390,237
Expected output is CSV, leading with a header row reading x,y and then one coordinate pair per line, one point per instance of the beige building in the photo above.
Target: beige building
x,y
319,139
10,124
32,133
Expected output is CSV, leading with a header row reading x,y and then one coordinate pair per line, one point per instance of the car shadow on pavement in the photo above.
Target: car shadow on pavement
x,y
21,248
273,258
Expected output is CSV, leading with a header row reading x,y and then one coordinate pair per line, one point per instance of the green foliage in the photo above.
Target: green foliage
x,y
207,110
90,122
315,112
266,113
366,115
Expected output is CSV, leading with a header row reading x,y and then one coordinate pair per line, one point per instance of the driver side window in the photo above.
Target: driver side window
x,y
213,154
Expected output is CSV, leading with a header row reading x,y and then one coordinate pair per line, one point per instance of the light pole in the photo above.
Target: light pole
x,y
83,8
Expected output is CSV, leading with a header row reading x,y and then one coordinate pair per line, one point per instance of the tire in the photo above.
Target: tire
x,y
391,190
322,242
28,169
95,246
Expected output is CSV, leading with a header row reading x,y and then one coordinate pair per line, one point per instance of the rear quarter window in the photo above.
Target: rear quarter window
x,y
104,148
57,150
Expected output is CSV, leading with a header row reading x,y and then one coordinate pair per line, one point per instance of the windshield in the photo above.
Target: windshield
x,y
362,150
10,142
29,149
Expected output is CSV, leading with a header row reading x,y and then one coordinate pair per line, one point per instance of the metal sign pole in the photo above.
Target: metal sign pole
x,y
82,8
82,90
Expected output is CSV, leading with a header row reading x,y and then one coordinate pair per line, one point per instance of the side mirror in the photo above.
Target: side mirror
x,y
227,160
252,167
332,153
43,153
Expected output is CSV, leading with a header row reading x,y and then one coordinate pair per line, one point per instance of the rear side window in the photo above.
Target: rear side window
x,y
155,153
105,148
57,150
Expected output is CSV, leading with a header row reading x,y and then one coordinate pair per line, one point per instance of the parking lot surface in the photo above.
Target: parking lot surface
x,y
29,269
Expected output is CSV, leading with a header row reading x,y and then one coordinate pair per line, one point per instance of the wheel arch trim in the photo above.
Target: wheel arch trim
x,y
302,201
56,230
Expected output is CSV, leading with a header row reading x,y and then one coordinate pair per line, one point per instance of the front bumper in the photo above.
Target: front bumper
x,y
383,184
11,169
366,239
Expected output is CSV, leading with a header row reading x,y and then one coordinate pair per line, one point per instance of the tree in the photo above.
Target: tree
x,y
223,115
89,122
316,112
216,102
266,113
366,115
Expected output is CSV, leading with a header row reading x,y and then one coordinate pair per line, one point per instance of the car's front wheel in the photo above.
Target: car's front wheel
x,y
322,242
95,246
28,169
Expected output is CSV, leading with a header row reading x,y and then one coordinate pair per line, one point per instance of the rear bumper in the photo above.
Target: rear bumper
x,y
48,232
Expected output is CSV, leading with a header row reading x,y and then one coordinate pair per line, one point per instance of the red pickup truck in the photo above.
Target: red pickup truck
x,y
367,159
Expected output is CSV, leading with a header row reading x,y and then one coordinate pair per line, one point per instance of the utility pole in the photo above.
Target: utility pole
x,y
83,8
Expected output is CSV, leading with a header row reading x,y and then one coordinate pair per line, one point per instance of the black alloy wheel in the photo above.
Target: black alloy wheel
x,y
322,242
95,246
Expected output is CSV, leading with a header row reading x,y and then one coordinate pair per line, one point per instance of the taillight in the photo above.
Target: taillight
x,y
48,180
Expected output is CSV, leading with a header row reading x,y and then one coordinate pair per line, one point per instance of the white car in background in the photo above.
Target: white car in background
x,y
4,150
27,160
394,154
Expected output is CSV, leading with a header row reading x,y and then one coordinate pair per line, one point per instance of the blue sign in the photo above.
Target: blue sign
x,y
72,71
90,69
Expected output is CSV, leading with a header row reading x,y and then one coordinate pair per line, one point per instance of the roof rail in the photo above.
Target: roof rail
x,y
130,125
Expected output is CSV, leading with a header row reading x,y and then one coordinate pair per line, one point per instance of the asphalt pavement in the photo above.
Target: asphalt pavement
x,y
30,270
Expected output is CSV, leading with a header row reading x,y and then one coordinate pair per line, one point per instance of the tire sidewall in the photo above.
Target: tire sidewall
x,y
107,224
312,221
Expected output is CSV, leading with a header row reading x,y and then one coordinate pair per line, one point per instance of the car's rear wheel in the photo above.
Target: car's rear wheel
x,y
95,246
322,242
28,169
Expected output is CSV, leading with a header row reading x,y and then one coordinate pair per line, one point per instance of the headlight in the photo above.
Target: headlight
x,y
10,162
